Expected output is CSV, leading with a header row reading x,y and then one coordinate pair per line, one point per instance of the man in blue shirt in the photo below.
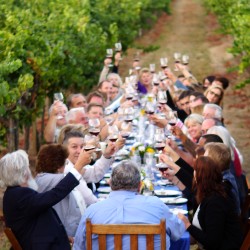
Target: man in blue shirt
x,y
125,206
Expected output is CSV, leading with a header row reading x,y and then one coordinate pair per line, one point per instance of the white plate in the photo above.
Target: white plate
x,y
164,182
172,200
105,190
104,181
177,210
107,175
163,192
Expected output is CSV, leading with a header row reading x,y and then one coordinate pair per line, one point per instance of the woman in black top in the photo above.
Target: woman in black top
x,y
215,224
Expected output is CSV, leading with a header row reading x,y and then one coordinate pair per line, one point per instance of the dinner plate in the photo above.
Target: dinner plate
x,y
107,175
173,200
164,182
105,190
177,210
163,192
104,182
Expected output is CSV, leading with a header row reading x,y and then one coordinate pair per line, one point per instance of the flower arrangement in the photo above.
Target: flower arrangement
x,y
140,149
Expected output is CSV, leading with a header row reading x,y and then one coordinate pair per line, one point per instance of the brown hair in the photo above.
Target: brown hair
x,y
220,154
50,158
70,127
94,104
208,178
103,96
216,87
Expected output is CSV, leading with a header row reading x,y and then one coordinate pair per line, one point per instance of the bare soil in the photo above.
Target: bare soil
x,y
190,29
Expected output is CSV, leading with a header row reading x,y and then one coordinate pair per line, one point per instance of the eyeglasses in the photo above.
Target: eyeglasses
x,y
212,93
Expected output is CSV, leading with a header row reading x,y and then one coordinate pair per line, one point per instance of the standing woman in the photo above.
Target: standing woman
x,y
215,224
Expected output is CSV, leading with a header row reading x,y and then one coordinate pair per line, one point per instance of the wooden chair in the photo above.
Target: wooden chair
x,y
12,238
149,230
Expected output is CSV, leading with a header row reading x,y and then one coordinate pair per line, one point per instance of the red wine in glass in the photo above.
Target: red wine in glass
x,y
149,112
129,97
90,147
159,147
125,135
156,83
128,120
94,132
171,123
113,138
163,168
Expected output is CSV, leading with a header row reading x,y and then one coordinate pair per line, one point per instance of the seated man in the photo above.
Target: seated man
x,y
126,206
28,213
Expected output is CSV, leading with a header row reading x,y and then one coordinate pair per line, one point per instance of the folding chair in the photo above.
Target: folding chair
x,y
12,238
149,230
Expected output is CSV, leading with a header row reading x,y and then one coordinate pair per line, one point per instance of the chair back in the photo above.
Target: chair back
x,y
12,238
149,230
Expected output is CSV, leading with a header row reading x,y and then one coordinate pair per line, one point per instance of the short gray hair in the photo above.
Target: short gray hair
x,y
72,113
217,108
14,168
195,118
125,176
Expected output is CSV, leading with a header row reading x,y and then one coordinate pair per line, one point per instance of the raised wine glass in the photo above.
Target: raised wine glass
x,y
94,126
162,97
125,130
164,62
90,142
156,80
149,108
152,68
118,48
58,97
128,114
177,58
185,60
109,54
172,118
113,132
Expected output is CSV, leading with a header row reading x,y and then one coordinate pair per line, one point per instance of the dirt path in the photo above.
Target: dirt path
x,y
189,29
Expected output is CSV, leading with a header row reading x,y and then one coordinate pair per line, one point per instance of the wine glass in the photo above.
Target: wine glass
x,y
137,56
173,118
185,59
159,143
152,68
125,130
58,97
149,108
162,97
156,80
90,142
113,133
118,48
94,126
164,62
177,57
109,54
128,114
